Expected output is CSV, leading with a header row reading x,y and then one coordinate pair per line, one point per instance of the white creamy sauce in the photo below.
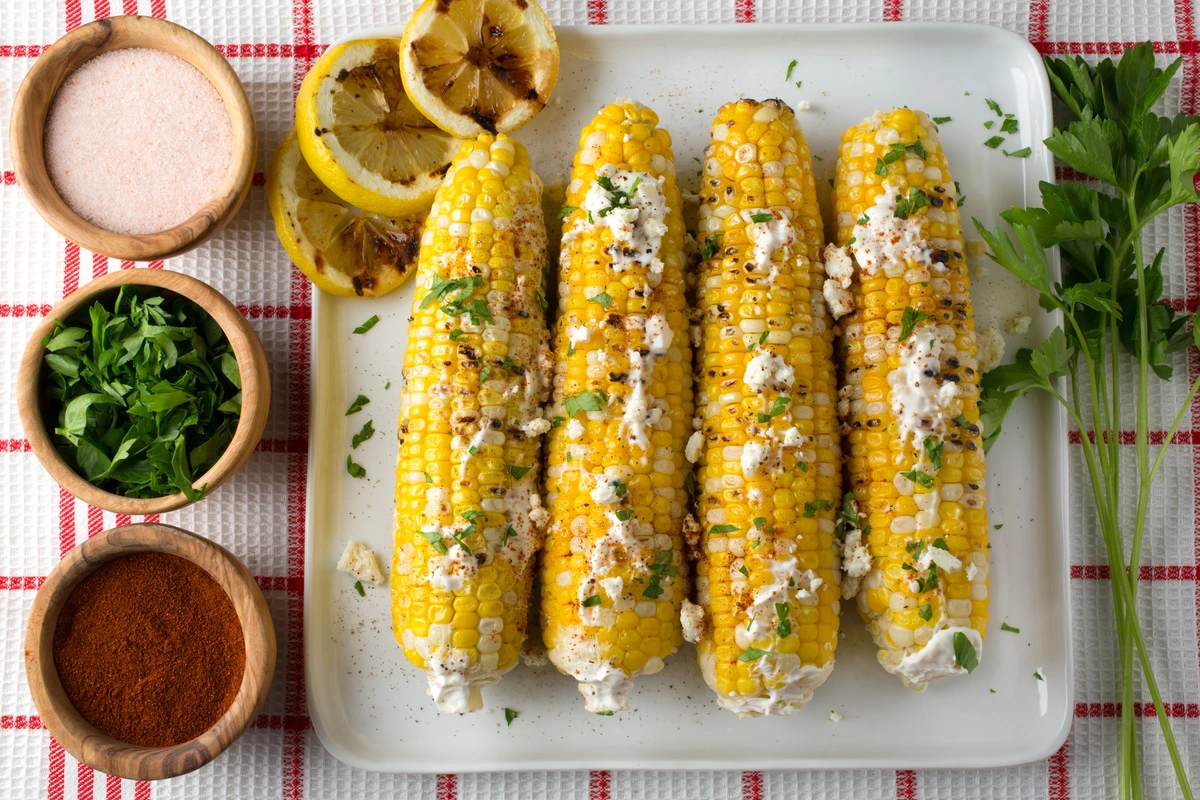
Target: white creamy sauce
x,y
839,272
638,413
446,669
605,493
691,618
535,427
637,230
936,659
694,443
451,572
787,581
886,242
793,438
920,403
796,690
769,371
768,237
658,334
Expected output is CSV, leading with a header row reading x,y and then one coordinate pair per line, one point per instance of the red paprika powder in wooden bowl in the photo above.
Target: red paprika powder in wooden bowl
x,y
149,650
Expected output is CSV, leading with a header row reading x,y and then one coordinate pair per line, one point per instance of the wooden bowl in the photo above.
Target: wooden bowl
x,y
247,349
28,124
77,736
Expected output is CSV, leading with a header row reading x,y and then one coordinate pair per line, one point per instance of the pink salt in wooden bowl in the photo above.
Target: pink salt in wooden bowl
x,y
27,130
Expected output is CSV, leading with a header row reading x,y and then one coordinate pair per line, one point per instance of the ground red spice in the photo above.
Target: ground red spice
x,y
149,649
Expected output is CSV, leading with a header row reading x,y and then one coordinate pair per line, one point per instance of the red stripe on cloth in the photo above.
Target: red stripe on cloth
x,y
158,9
70,268
128,265
259,179
86,782
21,722
95,521
1109,48
1183,22
254,311
141,790
20,51
123,519
112,784
99,265
15,446
906,784
1058,774
752,786
24,309
447,787
1100,572
264,446
66,522
1038,11
275,722
599,784
597,12
155,265
1109,710
744,11
74,14
57,777
20,583
103,11
129,7
1129,437
150,518
893,10
292,311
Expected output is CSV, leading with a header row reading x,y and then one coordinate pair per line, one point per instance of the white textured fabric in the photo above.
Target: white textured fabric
x,y
260,514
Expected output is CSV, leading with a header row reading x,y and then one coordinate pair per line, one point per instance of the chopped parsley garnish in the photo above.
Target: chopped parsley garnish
x,y
355,470
994,106
1004,626
366,326
357,405
742,569
925,612
558,420
442,289
940,544
542,300
604,713
509,532
761,339
689,485
618,197
661,569
863,220
909,321
472,449
994,142
961,421
989,124
998,527
781,404
566,211
485,373
791,67
760,521
811,509
387,385
909,205
365,433
594,600
933,451
428,477
880,167
717,530
1009,126
358,587
761,216
585,401
1037,675
1022,153
456,334
619,488
510,715
603,299
624,515
930,581
752,654
784,628
435,539
922,479
517,472
940,120
710,247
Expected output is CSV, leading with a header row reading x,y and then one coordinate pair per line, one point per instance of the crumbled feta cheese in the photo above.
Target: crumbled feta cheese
x,y
793,438
768,237
574,429
637,229
692,451
451,572
972,572
1019,324
834,716
605,493
945,560
839,271
691,617
753,454
360,561
991,349
888,243
767,370
856,561
535,427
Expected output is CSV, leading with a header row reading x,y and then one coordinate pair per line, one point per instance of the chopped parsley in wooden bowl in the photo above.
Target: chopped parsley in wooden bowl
x,y
143,391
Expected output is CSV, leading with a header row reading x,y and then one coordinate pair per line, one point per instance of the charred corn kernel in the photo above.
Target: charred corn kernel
x,y
468,515
769,473
613,571
909,407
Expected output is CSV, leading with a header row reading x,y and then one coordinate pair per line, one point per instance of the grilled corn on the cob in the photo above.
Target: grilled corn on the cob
x,y
613,574
469,519
769,475
918,538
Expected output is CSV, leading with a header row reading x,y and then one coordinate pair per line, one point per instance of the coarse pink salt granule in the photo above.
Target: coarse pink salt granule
x,y
137,141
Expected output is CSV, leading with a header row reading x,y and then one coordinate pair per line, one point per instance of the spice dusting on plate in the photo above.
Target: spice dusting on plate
x,y
149,649
137,141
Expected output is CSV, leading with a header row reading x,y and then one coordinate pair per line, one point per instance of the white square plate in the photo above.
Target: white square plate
x,y
369,705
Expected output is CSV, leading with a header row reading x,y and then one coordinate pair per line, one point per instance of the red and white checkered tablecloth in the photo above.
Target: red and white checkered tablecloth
x,y
260,513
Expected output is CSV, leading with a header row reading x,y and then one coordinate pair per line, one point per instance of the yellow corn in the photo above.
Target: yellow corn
x,y
768,451
468,515
915,456
613,573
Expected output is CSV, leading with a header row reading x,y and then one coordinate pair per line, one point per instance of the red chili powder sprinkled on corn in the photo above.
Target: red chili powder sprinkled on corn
x,y
137,141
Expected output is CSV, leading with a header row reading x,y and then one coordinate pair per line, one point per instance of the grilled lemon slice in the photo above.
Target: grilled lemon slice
x,y
341,249
472,66
361,135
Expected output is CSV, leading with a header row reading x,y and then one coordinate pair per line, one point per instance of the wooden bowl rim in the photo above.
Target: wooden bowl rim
x,y
36,94
76,735
247,349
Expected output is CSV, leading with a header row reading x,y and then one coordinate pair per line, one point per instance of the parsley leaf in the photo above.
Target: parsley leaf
x,y
357,405
1008,126
781,404
933,451
358,587
915,201
752,654
761,216
367,431
585,401
922,479
1024,152
517,472
566,211
509,715
594,600
994,106
710,247
791,67
940,120
925,612
811,509
1004,626
909,321
355,470
366,326
720,529
603,299
994,142
964,652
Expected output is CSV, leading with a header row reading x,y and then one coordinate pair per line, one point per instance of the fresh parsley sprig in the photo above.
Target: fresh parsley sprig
x,y
1109,299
